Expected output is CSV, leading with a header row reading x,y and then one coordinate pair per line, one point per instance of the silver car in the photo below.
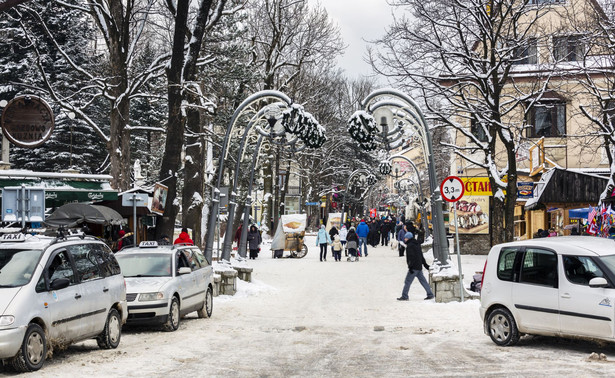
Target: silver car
x,y
54,292
165,282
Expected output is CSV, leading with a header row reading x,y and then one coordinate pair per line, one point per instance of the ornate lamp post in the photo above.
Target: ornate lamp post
x,y
273,115
363,174
399,118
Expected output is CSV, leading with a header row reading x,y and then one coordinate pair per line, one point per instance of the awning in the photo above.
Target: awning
x,y
559,186
59,192
73,214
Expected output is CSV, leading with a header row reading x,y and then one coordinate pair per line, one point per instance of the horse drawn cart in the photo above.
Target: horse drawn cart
x,y
289,237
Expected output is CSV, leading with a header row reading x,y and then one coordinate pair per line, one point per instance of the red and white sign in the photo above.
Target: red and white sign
x,y
452,189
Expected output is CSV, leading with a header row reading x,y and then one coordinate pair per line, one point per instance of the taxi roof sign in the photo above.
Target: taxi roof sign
x,y
18,237
148,244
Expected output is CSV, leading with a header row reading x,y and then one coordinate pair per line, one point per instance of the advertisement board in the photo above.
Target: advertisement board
x,y
334,219
472,215
159,200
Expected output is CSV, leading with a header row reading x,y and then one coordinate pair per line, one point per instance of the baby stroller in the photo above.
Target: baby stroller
x,y
351,247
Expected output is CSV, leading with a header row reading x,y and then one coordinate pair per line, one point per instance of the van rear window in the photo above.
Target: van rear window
x,y
506,264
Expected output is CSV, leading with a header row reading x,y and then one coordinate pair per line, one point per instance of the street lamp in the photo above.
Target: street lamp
x,y
268,107
403,119
365,177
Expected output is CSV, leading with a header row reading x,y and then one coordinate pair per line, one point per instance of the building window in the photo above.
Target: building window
x,y
547,119
478,131
526,53
568,48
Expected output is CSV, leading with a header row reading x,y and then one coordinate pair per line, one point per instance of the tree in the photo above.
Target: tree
x,y
286,37
27,42
460,56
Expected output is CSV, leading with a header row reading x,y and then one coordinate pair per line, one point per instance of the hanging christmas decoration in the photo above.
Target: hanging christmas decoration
x,y
361,127
385,167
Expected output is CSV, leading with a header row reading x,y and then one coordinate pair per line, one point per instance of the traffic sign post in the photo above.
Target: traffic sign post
x,y
452,190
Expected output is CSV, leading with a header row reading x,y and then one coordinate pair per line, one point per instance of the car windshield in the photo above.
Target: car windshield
x,y
144,265
17,266
609,261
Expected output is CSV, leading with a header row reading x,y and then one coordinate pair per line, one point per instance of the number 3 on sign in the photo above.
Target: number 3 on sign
x,y
452,189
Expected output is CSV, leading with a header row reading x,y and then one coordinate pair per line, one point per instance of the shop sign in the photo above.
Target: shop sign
x,y
27,121
525,190
477,186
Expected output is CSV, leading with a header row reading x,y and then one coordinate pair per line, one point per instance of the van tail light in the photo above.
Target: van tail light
x,y
483,278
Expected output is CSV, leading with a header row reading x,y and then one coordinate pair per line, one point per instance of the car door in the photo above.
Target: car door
x,y
584,311
95,300
199,272
535,295
64,305
188,286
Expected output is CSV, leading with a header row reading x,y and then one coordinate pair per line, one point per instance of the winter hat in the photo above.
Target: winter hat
x,y
408,235
337,237
343,226
352,229
122,233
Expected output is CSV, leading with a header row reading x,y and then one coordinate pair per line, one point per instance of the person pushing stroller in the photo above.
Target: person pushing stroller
x,y
352,243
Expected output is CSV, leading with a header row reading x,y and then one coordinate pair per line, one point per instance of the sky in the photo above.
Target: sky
x,y
359,20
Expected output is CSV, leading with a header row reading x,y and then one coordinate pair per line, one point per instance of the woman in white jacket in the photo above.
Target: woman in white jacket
x,y
343,233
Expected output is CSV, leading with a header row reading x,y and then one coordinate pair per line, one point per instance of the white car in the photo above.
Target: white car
x,y
54,292
558,286
166,282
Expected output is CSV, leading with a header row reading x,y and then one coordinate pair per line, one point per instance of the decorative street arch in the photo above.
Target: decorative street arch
x,y
387,119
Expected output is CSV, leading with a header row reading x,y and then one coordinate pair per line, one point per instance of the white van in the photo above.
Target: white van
x,y
558,286
54,292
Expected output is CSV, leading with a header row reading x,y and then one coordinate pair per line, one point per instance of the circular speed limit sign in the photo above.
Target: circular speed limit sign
x,y
452,189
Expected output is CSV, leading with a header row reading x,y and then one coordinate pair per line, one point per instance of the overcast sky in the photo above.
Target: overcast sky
x,y
359,20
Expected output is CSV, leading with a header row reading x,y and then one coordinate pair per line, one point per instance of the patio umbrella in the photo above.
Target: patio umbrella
x,y
72,214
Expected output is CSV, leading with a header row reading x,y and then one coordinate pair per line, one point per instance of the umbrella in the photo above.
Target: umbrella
x,y
72,214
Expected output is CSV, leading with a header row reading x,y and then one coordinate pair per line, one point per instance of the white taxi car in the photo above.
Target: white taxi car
x,y
558,286
54,292
166,282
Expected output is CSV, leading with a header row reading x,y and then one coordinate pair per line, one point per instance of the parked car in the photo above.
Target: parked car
x,y
558,286
166,282
54,292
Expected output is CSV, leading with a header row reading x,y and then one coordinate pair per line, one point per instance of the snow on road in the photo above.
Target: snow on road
x,y
303,317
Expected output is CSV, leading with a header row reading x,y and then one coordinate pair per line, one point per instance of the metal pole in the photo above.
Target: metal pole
x,y
458,254
242,247
213,214
23,206
440,249
134,217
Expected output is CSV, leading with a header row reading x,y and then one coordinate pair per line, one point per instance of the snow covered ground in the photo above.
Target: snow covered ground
x,y
303,317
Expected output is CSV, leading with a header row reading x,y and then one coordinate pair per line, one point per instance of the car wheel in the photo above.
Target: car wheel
x,y
172,323
208,305
33,351
502,327
112,333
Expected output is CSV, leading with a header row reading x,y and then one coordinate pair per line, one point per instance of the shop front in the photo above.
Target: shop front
x,y
559,199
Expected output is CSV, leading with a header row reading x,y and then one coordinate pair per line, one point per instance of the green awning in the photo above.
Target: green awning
x,y
59,192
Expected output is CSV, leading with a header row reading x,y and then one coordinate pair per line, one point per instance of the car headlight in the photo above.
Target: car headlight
x,y
151,296
7,320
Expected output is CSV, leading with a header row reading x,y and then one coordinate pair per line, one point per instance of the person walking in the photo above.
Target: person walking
x,y
332,232
401,246
362,232
385,232
343,234
353,243
254,241
323,239
415,261
336,247
184,238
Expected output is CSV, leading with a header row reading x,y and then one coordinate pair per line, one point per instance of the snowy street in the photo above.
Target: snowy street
x,y
303,317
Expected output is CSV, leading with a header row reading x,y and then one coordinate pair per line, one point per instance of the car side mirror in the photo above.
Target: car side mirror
x,y
59,283
598,282
184,270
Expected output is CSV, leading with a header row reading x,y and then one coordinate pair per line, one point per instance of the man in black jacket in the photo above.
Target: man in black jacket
x,y
416,261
